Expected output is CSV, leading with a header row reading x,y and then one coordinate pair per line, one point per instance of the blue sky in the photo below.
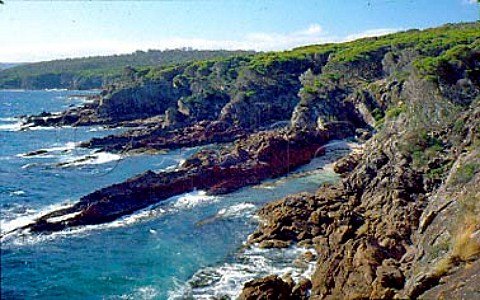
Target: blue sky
x,y
43,30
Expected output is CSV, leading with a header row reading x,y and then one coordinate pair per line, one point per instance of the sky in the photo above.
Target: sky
x,y
44,30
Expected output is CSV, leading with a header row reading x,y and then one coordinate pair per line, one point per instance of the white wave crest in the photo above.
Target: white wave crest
x,y
27,218
44,127
144,292
239,210
11,126
17,193
95,129
69,146
9,119
229,278
192,199
173,204
20,238
64,217
55,90
90,159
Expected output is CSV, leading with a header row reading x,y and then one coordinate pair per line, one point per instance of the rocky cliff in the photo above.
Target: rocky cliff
x,y
403,221
394,227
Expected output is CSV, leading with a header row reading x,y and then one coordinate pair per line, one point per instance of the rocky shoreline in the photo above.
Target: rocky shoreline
x,y
403,223
248,161
376,230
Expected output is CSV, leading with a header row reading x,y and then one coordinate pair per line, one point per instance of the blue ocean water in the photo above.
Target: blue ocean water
x,y
186,247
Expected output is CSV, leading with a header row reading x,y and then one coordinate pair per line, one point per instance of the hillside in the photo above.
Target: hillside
x,y
402,223
4,66
96,72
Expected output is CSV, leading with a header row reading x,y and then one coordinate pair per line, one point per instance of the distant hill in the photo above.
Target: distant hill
x,y
4,66
95,72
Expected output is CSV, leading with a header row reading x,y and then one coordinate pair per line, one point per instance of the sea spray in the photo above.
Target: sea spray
x,y
227,280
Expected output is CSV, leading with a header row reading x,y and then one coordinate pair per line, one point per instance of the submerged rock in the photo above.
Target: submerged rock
x,y
36,152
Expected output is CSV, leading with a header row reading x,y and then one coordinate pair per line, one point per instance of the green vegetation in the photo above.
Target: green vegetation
x,y
250,93
435,49
465,173
441,66
421,146
95,72
428,42
439,173
395,111
205,81
378,114
440,248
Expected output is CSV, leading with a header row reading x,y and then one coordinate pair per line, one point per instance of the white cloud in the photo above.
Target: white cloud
x,y
275,41
313,29
260,41
57,50
469,1
370,33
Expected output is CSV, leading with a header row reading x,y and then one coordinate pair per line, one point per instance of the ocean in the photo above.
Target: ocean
x,y
188,247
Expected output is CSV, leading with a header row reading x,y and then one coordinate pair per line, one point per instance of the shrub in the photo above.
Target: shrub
x,y
377,114
458,126
465,173
250,93
394,112
419,158
466,246
435,173
421,146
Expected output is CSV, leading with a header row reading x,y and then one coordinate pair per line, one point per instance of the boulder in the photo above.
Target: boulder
x,y
268,288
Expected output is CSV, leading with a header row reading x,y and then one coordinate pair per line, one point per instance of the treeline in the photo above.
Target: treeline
x,y
96,72
261,89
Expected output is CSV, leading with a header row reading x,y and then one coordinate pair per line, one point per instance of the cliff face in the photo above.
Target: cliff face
x,y
228,90
390,229
404,221
131,103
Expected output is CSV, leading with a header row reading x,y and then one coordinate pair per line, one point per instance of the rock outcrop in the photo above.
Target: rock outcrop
x,y
272,286
403,223
248,161
157,138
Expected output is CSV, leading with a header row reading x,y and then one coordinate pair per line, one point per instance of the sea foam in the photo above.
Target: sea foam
x,y
229,278
9,226
89,159
192,199
11,229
